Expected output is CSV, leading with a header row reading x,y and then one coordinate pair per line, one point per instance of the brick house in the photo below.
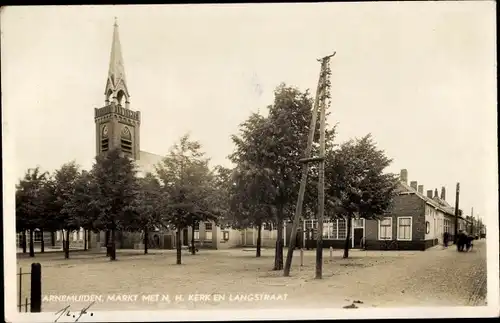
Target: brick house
x,y
415,222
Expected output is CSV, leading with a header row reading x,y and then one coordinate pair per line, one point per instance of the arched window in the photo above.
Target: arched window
x,y
119,97
126,140
104,138
108,96
126,133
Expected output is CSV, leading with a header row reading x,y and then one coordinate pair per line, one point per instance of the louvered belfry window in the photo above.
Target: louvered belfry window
x,y
126,140
104,139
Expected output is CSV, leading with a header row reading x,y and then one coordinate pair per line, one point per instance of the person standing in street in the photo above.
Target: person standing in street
x,y
446,237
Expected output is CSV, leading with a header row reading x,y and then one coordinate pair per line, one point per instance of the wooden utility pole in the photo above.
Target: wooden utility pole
x,y
319,103
455,238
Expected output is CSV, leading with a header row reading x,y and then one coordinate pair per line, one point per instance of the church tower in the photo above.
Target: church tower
x,y
117,126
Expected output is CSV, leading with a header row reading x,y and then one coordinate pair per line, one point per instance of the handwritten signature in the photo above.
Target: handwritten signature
x,y
66,312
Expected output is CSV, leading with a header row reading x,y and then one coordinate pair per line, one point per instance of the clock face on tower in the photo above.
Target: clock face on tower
x,y
105,131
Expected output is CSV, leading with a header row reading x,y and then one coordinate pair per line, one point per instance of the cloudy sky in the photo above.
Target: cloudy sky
x,y
419,76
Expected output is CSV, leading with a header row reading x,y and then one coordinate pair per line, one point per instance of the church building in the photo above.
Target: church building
x,y
118,126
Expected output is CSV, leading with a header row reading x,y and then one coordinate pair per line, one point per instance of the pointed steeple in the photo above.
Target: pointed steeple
x,y
116,85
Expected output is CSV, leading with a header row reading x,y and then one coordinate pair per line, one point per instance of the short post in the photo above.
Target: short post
x,y
36,288
331,253
20,289
301,257
26,304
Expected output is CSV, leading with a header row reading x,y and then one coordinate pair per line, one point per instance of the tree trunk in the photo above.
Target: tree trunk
x,y
89,235
32,244
66,249
52,238
278,256
178,245
347,244
63,240
23,241
113,245
107,242
42,244
193,249
259,240
85,239
146,240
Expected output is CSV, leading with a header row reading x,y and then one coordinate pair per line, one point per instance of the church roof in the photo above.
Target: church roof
x,y
147,162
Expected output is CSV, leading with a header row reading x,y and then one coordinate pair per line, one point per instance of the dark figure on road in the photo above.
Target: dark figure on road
x,y
469,245
461,241
446,239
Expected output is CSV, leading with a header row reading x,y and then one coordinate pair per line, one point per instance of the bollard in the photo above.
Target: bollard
x,y
36,288
301,257
331,253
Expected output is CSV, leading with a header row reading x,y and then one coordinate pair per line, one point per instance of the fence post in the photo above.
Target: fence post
x,y
301,257
20,289
36,288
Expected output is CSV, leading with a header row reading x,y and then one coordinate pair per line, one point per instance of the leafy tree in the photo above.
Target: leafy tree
x,y
223,183
80,205
187,185
29,205
148,201
250,201
116,191
49,215
64,188
272,147
356,184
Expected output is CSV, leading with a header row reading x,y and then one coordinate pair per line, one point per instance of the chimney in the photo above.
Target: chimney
x,y
413,184
436,192
421,189
443,193
403,177
429,194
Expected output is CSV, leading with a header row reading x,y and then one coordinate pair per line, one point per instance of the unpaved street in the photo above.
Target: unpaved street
x,y
436,277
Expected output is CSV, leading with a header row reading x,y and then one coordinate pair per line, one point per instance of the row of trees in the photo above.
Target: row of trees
x,y
112,198
267,171
260,189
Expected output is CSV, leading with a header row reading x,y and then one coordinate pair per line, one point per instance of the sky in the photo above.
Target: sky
x,y
420,77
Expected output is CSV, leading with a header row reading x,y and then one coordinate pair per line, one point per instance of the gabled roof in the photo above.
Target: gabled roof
x,y
436,202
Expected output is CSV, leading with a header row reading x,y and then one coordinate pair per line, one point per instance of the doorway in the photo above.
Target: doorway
x,y
358,237
358,232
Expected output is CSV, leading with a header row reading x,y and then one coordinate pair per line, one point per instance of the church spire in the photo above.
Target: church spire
x,y
116,85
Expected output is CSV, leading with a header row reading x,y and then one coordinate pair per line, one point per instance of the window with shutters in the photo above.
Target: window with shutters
x,y
404,228
385,229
